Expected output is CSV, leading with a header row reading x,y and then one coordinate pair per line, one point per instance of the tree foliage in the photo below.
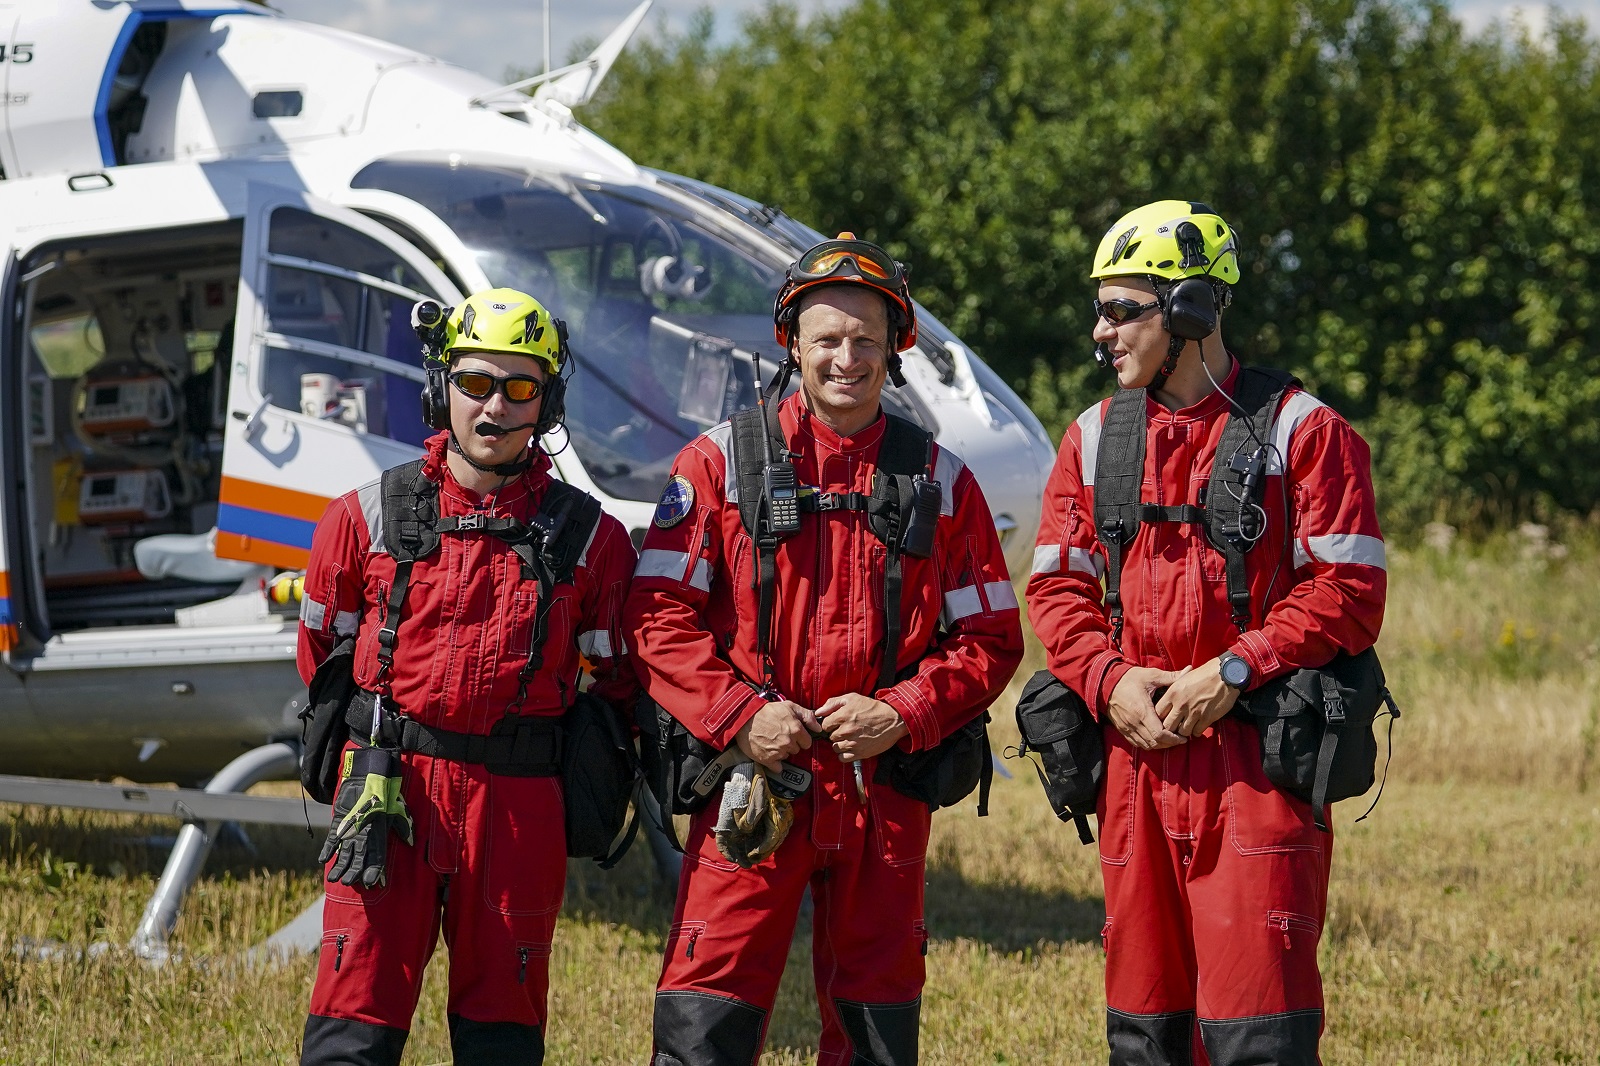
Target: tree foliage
x,y
1417,205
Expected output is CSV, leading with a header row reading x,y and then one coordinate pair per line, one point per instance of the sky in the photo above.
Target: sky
x,y
494,36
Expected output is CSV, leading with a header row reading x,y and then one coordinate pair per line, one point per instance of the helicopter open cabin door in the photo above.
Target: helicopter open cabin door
x,y
325,390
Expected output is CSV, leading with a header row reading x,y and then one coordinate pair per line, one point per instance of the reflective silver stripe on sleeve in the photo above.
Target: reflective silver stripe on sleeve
x,y
1295,410
701,578
721,435
313,615
1085,561
370,496
1002,596
594,531
1344,548
1047,558
654,562
345,623
947,466
961,603
1089,431
596,644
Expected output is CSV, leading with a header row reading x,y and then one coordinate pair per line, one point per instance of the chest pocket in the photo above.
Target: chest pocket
x,y
558,624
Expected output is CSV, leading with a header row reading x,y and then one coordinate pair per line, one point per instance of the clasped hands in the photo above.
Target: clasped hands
x,y
1194,699
857,726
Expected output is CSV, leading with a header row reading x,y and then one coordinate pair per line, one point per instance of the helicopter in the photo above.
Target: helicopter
x,y
214,222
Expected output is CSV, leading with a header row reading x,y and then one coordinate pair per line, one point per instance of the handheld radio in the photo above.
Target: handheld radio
x,y
780,485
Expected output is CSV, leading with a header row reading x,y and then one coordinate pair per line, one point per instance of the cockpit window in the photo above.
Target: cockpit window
x,y
663,309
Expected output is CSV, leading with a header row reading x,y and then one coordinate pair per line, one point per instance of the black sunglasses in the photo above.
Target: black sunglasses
x,y
481,385
1122,310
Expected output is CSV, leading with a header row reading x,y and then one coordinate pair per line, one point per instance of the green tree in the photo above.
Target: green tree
x,y
1414,202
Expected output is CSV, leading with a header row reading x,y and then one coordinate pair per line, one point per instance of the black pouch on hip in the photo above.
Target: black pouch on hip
x,y
946,774
1316,729
1055,723
674,759
599,778
323,726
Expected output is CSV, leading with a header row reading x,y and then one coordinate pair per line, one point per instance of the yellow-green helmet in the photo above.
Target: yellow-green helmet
x,y
1153,241
504,320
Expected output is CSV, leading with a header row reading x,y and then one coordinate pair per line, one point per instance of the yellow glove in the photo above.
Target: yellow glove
x,y
368,806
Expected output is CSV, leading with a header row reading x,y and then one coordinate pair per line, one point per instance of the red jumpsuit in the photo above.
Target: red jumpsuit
x,y
489,863
1216,881
692,617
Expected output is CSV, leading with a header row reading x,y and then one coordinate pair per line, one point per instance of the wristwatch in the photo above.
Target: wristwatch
x,y
1234,670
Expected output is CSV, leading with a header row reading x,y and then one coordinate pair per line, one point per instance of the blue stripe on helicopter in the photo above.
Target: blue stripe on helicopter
x,y
277,528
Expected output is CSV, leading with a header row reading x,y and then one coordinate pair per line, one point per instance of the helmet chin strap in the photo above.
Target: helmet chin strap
x,y
511,469
1174,350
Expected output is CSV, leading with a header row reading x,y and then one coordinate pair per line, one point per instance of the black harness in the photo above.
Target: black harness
x,y
904,457
1228,510
902,512
549,549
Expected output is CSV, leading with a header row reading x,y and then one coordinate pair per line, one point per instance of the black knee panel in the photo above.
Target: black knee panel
x,y
1288,1039
700,1029
495,1043
1150,1039
883,1034
346,1042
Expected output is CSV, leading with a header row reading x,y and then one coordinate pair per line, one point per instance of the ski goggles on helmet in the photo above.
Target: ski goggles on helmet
x,y
847,258
481,385
1121,309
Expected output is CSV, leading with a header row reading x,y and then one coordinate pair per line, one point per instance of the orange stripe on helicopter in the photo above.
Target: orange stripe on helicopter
x,y
273,499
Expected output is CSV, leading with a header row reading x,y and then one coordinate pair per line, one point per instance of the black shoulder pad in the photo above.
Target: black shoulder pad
x,y
749,457
410,509
567,517
907,447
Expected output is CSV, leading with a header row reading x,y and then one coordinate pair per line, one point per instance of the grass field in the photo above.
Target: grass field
x,y
1463,922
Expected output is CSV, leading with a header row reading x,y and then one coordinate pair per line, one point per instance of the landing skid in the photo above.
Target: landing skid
x,y
204,812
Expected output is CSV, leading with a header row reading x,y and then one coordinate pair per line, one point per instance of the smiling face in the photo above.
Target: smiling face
x,y
843,354
1138,347
483,427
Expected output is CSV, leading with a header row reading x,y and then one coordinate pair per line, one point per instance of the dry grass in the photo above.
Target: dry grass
x,y
1462,925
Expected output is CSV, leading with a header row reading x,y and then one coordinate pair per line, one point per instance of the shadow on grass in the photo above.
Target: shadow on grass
x,y
1008,918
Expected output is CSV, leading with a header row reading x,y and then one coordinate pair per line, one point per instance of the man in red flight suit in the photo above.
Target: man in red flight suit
x,y
1216,881
488,865
692,614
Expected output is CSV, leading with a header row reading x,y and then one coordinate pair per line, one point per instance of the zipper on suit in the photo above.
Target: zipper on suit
x,y
688,951
522,965
338,950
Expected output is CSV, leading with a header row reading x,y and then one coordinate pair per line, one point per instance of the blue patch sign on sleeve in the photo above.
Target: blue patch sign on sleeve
x,y
677,500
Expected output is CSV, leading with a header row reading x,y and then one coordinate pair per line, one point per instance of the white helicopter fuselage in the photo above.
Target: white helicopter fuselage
x,y
213,223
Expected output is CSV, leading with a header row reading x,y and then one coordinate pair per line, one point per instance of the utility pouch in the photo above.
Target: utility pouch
x,y
674,760
323,730
599,776
1056,724
946,774
1316,729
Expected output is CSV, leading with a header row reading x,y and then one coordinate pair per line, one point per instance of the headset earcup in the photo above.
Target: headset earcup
x,y
435,402
554,410
1190,311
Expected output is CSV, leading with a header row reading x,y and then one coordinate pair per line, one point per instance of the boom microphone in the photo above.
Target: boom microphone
x,y
1102,357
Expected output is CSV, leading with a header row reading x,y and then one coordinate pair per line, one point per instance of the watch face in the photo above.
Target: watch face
x,y
1235,671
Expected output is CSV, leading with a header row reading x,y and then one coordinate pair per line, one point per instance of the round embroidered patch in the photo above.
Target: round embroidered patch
x,y
677,500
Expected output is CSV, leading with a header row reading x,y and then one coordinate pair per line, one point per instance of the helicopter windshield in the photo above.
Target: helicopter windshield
x,y
663,311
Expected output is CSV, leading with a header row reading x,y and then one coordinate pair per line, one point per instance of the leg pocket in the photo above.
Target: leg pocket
x,y
901,825
1115,809
1262,817
525,862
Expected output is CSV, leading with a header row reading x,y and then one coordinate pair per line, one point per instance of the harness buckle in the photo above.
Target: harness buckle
x,y
470,523
829,501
